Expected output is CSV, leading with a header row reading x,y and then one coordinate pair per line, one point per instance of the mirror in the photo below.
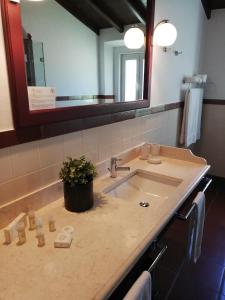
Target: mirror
x,y
75,53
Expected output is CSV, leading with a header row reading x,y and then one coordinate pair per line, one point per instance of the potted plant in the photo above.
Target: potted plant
x,y
77,176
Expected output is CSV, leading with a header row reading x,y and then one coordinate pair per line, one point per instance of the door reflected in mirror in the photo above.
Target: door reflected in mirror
x,y
74,56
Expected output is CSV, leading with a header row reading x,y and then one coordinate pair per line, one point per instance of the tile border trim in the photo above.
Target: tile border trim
x,y
28,134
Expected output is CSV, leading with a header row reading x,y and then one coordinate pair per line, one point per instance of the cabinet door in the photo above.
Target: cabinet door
x,y
164,276
175,235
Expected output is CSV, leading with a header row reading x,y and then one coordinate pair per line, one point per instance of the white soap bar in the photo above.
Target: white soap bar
x,y
154,160
69,230
63,240
10,231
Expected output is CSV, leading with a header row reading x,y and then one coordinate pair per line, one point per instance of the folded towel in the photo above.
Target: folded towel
x,y
141,289
191,124
196,227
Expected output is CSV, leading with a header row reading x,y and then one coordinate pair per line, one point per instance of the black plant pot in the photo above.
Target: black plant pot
x,y
78,197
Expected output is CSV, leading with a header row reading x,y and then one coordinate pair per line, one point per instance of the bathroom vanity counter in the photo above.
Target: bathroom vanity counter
x,y
108,239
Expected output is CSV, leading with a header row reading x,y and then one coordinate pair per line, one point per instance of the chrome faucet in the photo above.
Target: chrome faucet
x,y
114,168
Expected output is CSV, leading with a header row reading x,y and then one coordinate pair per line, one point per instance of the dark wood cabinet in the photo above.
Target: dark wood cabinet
x,y
170,265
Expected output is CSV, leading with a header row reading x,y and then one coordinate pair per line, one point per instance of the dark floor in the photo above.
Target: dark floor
x,y
205,280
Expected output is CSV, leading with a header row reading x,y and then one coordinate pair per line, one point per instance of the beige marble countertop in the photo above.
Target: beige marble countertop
x,y
108,241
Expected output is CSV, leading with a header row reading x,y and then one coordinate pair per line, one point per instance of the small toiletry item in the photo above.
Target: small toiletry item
x,y
154,157
31,218
155,149
7,236
68,229
39,224
144,151
63,240
21,233
10,232
40,237
154,160
51,224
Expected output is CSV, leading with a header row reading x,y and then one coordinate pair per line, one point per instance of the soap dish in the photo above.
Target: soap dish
x,y
154,160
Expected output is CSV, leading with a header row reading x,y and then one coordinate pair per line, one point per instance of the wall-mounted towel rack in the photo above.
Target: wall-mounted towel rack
x,y
204,184
196,79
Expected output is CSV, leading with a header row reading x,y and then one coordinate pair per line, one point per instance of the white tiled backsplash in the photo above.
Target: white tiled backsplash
x,y
28,167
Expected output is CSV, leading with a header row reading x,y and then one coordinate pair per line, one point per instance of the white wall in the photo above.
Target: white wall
x,y
212,143
108,71
214,58
168,69
6,122
70,48
106,37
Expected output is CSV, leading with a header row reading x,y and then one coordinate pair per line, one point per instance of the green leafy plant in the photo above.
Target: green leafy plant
x,y
77,171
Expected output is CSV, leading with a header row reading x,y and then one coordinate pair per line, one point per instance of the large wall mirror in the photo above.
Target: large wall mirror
x,y
68,59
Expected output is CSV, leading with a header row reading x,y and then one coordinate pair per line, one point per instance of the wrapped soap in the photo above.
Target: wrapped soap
x,y
51,224
69,230
31,218
10,232
63,240
21,233
40,237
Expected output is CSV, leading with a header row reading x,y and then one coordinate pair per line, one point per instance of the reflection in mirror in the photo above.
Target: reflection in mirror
x,y
74,56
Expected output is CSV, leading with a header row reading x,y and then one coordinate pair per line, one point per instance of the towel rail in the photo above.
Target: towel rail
x,y
209,181
150,269
187,215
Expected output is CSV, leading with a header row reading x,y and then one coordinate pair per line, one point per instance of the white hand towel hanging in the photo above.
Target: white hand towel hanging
x,y
191,124
141,289
197,227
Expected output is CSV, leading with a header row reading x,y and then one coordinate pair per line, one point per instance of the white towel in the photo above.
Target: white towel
x,y
197,227
141,289
191,124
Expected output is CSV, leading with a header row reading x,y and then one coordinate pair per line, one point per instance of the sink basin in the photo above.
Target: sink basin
x,y
142,185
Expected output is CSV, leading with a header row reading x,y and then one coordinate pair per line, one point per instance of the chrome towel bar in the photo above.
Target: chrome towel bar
x,y
157,258
209,181
187,215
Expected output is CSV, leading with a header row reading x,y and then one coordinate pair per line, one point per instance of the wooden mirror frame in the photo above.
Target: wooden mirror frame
x,y
23,117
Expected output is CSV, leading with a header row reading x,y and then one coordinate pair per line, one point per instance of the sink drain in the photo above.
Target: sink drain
x,y
144,204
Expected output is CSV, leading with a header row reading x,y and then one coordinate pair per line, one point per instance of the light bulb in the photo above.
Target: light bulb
x,y
165,34
134,38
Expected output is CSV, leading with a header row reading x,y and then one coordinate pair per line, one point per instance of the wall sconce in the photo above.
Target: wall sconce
x,y
134,38
165,35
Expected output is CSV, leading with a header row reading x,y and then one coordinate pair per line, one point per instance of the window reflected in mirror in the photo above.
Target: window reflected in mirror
x,y
75,57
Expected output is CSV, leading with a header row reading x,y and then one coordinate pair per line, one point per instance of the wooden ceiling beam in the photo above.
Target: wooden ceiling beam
x,y
77,14
207,8
138,9
217,4
106,14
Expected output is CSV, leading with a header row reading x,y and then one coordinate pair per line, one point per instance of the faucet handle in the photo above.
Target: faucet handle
x,y
116,159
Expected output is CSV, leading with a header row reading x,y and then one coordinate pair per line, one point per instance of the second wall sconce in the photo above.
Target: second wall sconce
x,y
165,35
134,38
